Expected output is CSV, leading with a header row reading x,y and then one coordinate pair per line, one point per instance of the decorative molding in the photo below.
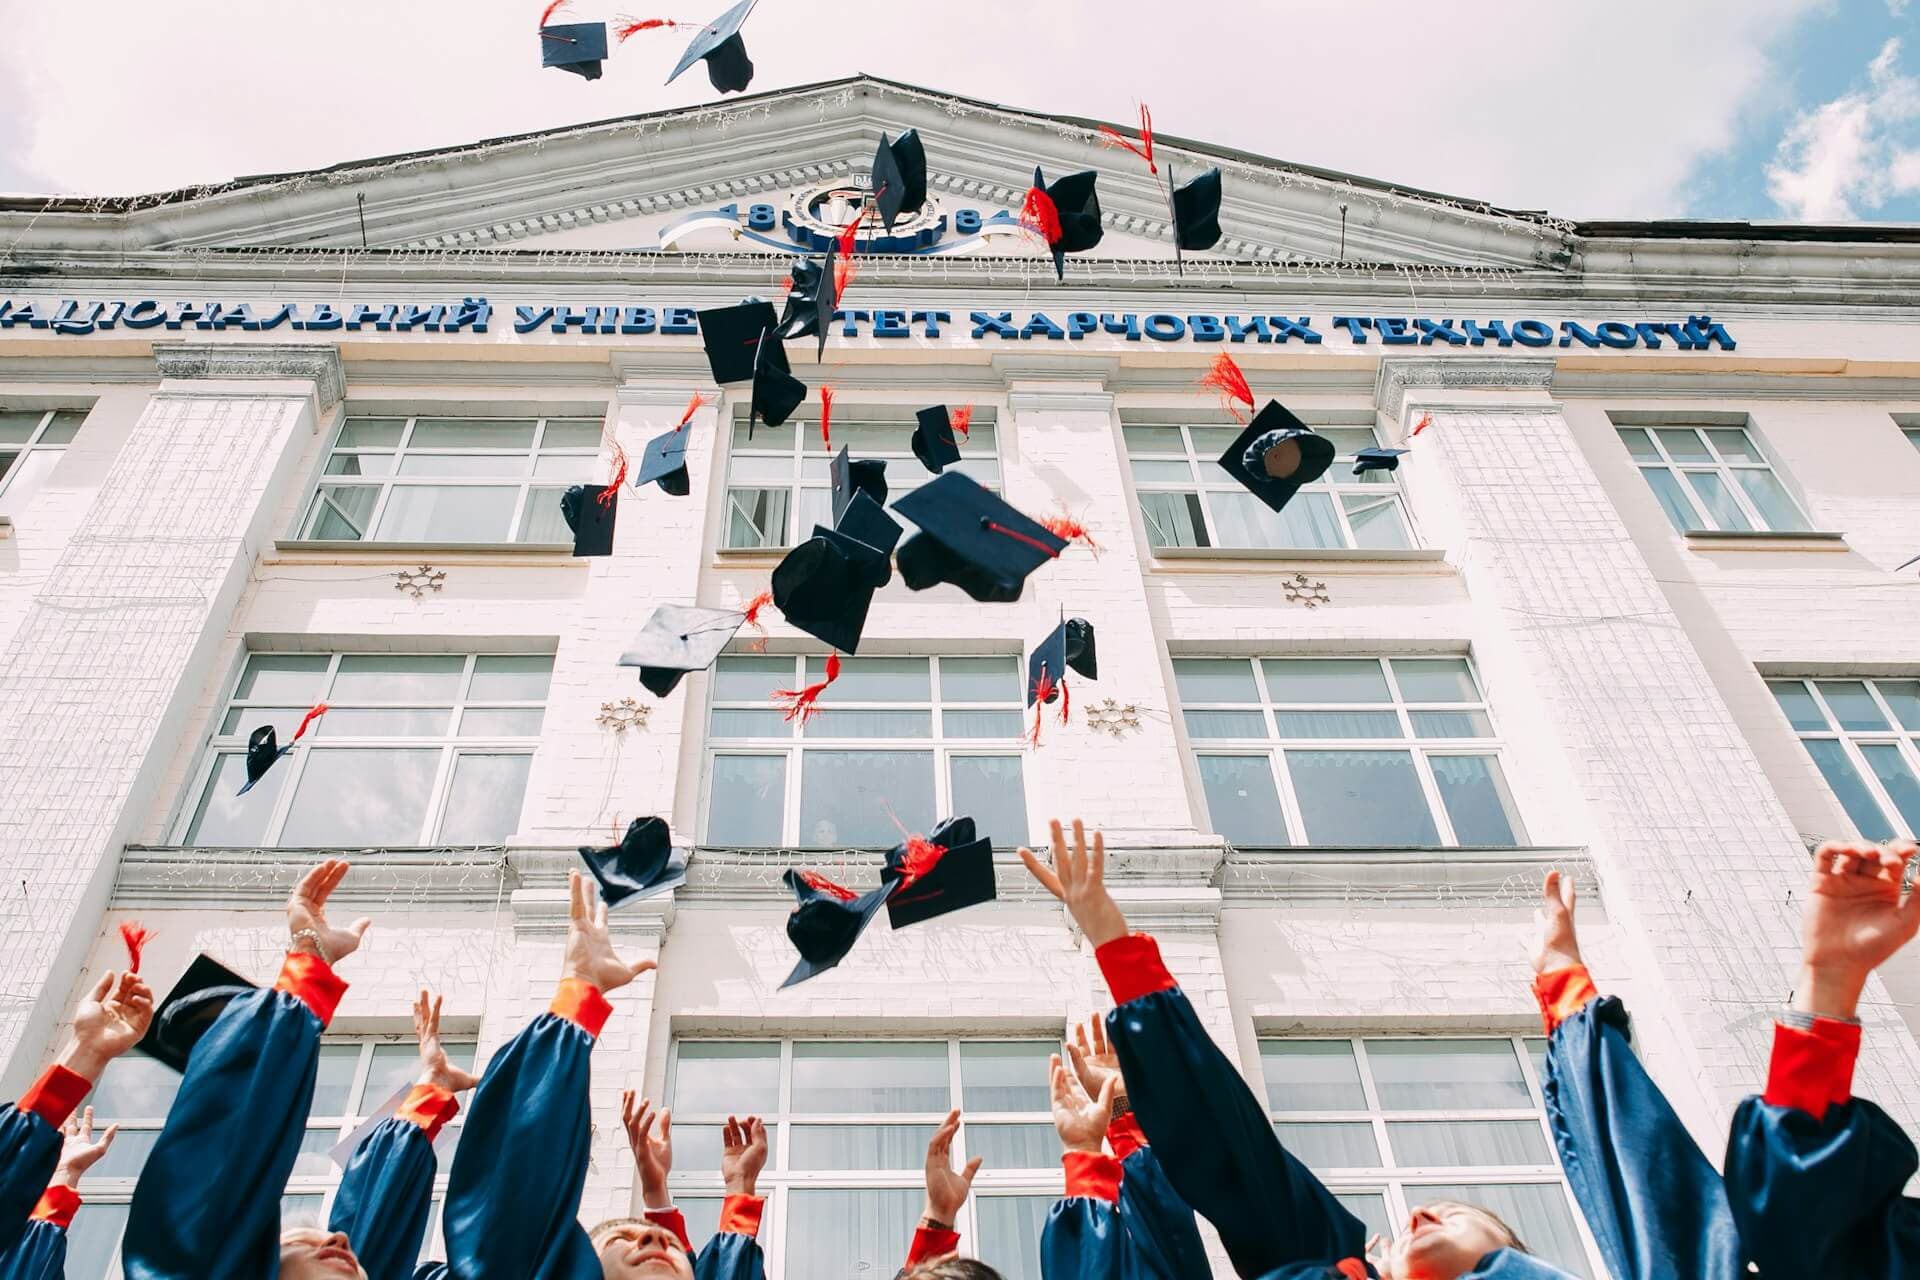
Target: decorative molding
x,y
250,361
1481,877
623,715
1303,590
1401,375
541,905
419,581
176,878
1115,719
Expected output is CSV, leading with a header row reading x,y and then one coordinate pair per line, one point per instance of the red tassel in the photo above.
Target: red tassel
x,y
1018,536
1065,526
1042,690
823,885
923,856
619,476
1115,138
1040,215
1225,377
850,235
693,407
751,616
313,713
800,702
135,936
843,273
546,14
1426,420
1066,701
844,268
962,420
648,24
826,416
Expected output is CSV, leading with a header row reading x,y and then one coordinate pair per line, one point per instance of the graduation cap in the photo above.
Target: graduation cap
x,y
933,439
1376,460
827,920
1066,214
189,1010
899,176
972,539
678,639
951,869
1196,211
824,587
264,749
850,476
776,392
589,512
1068,647
731,336
809,307
719,43
665,462
579,47
866,521
643,864
1276,454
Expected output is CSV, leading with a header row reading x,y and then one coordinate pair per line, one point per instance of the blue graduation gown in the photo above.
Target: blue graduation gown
x,y
39,1254
386,1198
1160,1226
30,1142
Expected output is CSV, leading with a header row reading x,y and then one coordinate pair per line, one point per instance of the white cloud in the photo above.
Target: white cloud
x,y
1897,7
1852,154
1587,110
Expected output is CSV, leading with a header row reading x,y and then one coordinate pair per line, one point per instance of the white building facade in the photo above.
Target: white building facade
x,y
1629,607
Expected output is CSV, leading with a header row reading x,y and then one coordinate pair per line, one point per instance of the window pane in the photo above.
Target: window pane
x,y
393,677
1325,680
1717,500
876,679
859,1146
244,720
1215,680
757,517
511,678
1311,1075
729,723
462,433
1537,1211
982,724
1451,724
448,513
848,1233
370,432
1638,445
1243,800
226,817
1435,680
1683,445
845,797
572,433
342,512
92,1239
991,790
135,1086
1474,790
394,1067
1014,1146
483,804
1896,779
1173,520
357,796
750,471
577,467
1005,1075
128,1154
1852,793
360,464
1802,711
1428,1144
1337,724
1735,445
1673,499
852,1078
18,425
1371,1208
1769,497
748,800
28,476
1377,522
1370,798
725,1077
1904,697
1153,440
979,680
1161,471
697,1147
1226,724
450,465
1851,704
333,1083
541,522
501,722
742,679
380,722
283,677
1324,1145
1447,1075
869,724
1242,520
311,1160
762,438
1010,1228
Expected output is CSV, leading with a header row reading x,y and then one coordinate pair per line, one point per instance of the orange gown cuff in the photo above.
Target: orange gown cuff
x,y
740,1215
57,1205
1813,1069
1563,993
55,1094
430,1107
929,1244
1094,1174
1125,1137
311,981
1133,967
580,1002
673,1220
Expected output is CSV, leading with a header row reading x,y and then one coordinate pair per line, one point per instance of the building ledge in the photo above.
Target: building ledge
x,y
1267,559
311,551
741,557
416,879
1321,873
1764,540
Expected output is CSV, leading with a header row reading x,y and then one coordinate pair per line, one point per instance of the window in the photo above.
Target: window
x,y
416,748
1373,752
1188,500
31,443
1864,736
1913,435
451,479
778,486
356,1075
848,1124
913,739
1392,1123
1713,478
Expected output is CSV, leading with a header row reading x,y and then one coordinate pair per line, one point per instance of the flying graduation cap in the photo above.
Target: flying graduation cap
x,y
1276,454
579,47
809,308
643,864
679,639
189,1011
825,585
948,870
851,476
589,510
1066,215
665,463
731,336
1196,213
972,539
933,439
1068,647
899,177
725,53
264,749
827,920
1377,459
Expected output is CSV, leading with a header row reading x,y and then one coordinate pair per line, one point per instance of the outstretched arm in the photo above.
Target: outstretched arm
x,y
41,1252
1083,1238
734,1252
947,1192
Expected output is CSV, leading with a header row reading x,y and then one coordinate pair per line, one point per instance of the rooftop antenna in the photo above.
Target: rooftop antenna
x,y
363,219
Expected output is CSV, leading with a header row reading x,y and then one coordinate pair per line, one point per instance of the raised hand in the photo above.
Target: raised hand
x,y
590,953
1555,943
1079,880
434,1066
1095,1062
1081,1121
307,915
110,1020
947,1189
80,1152
743,1154
1856,918
652,1148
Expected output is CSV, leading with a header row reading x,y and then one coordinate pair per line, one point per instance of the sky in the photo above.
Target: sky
x,y
1797,110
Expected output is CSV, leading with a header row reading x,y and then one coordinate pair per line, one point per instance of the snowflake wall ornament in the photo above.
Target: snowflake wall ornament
x,y
1301,590
419,581
1115,719
623,715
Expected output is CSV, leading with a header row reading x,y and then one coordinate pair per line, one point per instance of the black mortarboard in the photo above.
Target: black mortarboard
x,y
1068,647
590,519
677,639
1080,654
868,522
850,476
719,42
731,336
933,441
189,1010
1276,435
809,307
827,920
959,878
776,392
579,47
1196,211
665,462
263,748
643,864
1078,205
824,588
899,176
1376,459
972,539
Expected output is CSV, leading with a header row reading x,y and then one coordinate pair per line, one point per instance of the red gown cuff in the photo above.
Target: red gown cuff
x,y
1093,1174
1563,993
929,1244
1124,1136
580,1002
673,1220
57,1205
1133,967
740,1215
1813,1069
55,1094
311,981
430,1107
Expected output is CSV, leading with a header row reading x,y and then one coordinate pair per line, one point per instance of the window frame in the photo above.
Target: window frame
x,y
1904,740
1719,465
35,443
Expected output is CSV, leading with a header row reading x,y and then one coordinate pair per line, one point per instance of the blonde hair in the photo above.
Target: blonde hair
x,y
1514,1242
952,1267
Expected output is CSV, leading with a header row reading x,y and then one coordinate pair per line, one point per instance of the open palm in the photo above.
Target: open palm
x,y
307,910
1857,915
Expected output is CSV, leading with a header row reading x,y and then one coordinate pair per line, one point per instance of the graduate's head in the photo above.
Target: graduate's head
x,y
636,1249
309,1253
953,1267
1444,1239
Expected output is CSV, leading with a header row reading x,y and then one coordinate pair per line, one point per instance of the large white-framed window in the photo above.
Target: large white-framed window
x,y
356,1075
907,739
1714,479
848,1123
450,479
1370,752
1864,737
415,749
31,442
1188,500
778,484
1392,1122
